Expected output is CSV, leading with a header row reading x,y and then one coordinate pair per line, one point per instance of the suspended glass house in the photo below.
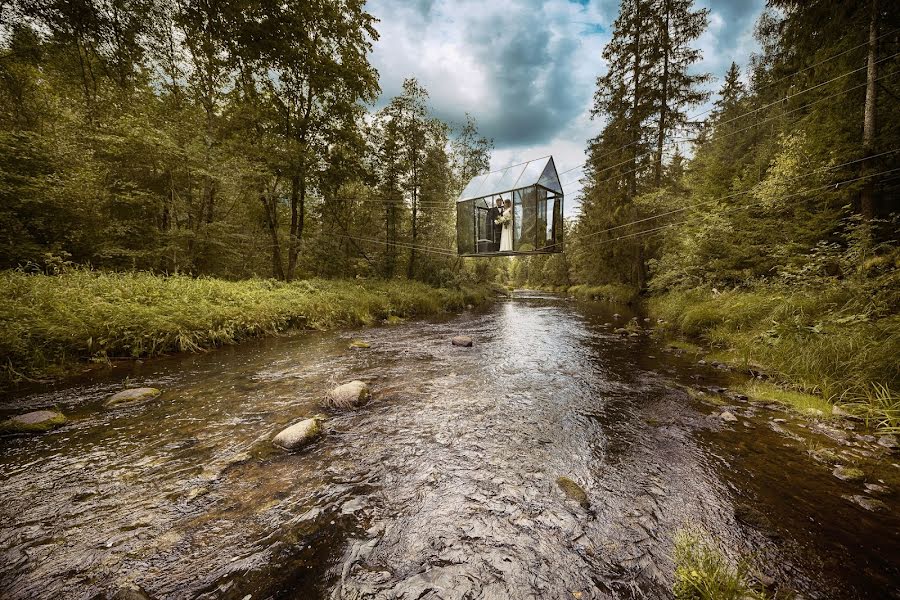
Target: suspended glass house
x,y
536,204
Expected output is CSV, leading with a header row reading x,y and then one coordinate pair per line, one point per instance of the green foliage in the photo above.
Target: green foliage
x,y
615,293
219,139
703,573
48,322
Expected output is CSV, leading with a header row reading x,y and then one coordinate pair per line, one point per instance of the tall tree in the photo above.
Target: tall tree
x,y
471,154
676,89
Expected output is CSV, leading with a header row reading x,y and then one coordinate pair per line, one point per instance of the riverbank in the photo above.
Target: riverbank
x,y
826,343
51,326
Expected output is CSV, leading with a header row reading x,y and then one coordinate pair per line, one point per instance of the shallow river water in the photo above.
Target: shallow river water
x,y
444,486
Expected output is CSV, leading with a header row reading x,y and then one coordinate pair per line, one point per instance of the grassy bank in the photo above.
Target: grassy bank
x,y
50,324
825,342
615,293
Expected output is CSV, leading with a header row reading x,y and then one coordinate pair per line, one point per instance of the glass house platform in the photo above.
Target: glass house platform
x,y
536,197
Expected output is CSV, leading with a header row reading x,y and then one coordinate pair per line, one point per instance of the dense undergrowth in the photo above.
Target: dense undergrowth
x,y
833,340
611,292
50,323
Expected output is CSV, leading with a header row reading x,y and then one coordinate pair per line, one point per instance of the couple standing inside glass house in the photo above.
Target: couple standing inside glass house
x,y
501,218
514,211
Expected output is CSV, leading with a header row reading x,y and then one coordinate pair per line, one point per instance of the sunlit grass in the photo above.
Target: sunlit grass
x,y
49,322
879,406
703,573
686,346
799,401
822,342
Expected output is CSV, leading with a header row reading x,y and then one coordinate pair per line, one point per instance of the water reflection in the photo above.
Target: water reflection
x,y
444,487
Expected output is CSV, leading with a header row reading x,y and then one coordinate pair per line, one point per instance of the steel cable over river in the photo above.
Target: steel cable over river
x,y
445,485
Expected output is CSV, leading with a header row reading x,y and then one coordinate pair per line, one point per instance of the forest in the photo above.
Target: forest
x,y
178,176
172,138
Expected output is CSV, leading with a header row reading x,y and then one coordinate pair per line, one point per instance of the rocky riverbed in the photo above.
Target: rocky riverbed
x,y
551,458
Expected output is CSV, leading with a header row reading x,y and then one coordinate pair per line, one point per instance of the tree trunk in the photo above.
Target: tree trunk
x,y
867,197
412,252
635,118
271,211
664,101
298,203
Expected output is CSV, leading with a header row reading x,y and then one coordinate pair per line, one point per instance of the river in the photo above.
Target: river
x,y
444,486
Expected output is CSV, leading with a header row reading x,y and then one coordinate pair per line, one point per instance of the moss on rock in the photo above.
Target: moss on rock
x,y
38,421
132,395
573,491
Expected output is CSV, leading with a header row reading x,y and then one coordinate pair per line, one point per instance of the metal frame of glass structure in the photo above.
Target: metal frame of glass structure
x,y
534,190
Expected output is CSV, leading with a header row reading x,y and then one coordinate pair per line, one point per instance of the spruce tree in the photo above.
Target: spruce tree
x,y
675,89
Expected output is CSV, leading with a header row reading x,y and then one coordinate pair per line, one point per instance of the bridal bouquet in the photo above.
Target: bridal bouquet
x,y
504,219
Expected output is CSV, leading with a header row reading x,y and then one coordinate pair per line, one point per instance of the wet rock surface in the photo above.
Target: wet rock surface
x,y
33,422
447,487
349,395
461,340
298,435
132,396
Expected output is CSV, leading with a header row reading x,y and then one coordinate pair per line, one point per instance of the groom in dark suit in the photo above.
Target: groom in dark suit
x,y
494,213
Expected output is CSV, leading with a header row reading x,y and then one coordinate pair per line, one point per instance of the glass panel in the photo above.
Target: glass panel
x,y
547,225
510,176
531,174
472,189
549,178
524,216
465,227
490,183
483,230
558,224
540,215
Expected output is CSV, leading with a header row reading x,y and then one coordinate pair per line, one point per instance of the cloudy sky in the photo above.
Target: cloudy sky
x,y
527,69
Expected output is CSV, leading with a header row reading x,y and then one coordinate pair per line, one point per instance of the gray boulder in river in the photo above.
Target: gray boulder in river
x,y
349,395
298,435
33,422
462,340
132,395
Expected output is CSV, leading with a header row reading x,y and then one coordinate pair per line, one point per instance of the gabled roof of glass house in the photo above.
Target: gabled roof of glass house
x,y
540,171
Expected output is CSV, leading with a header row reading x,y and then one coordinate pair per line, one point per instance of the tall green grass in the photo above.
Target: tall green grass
x,y
47,323
825,342
703,573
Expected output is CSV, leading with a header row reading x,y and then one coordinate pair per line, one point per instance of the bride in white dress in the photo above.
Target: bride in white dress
x,y
506,244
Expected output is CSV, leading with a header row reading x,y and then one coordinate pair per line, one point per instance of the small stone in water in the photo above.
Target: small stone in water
x,y
462,340
33,422
874,488
132,395
848,473
573,491
889,441
349,395
866,502
298,435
